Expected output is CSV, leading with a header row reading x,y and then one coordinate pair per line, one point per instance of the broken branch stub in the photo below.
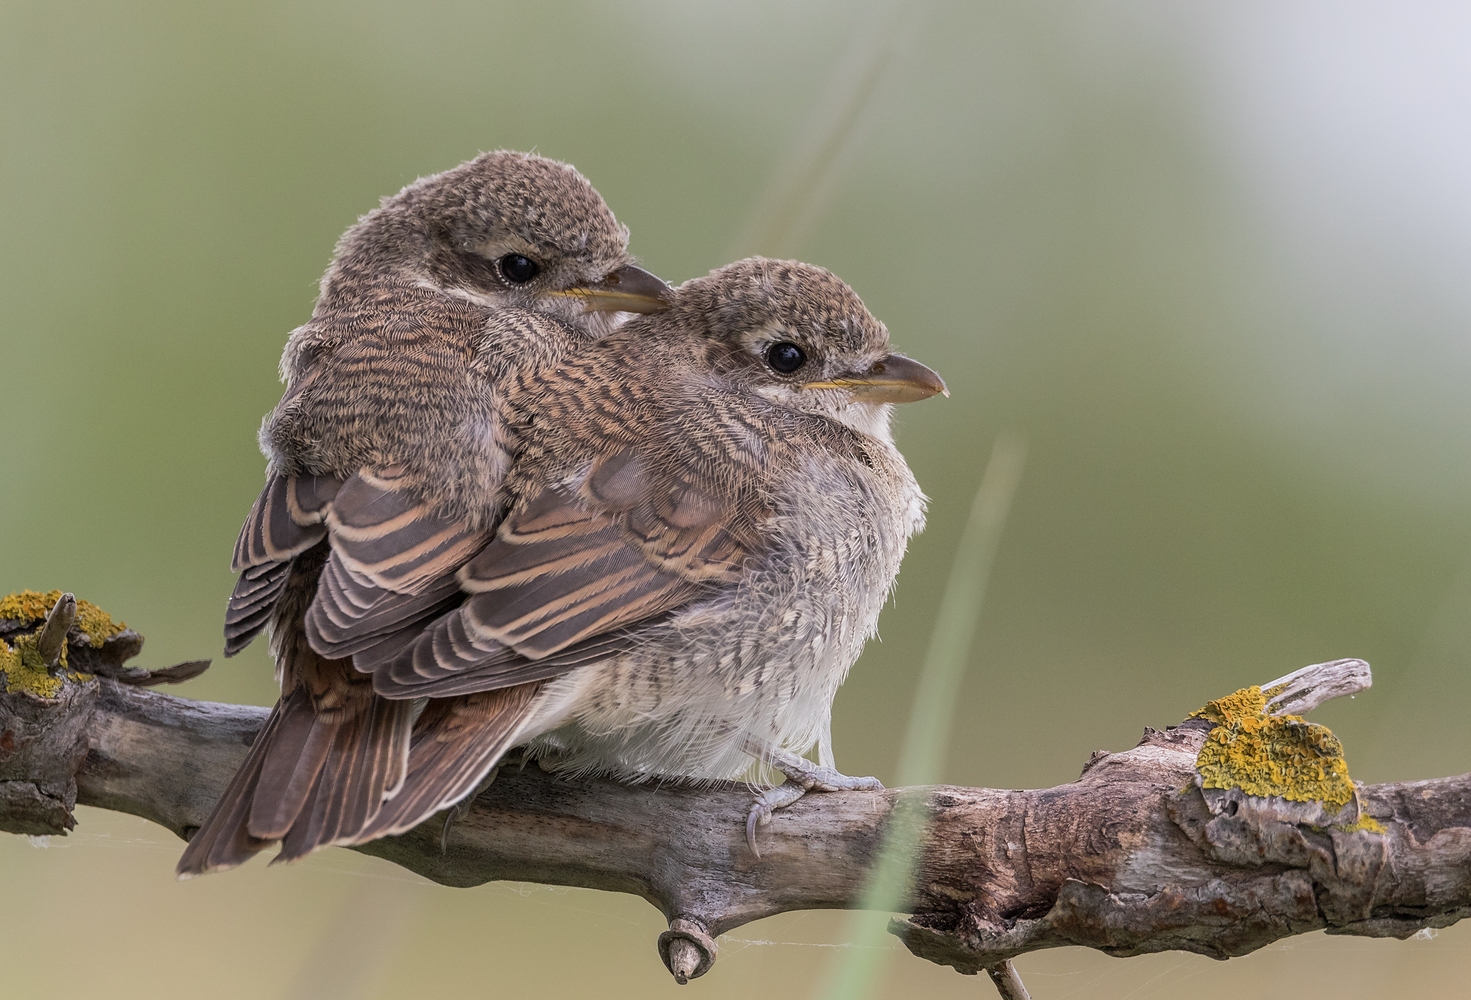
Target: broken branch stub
x,y
52,638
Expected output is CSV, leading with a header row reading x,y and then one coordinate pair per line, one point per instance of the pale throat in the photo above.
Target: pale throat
x,y
870,419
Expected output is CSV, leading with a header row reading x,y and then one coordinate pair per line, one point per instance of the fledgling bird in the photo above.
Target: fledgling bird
x,y
705,515
701,516
387,456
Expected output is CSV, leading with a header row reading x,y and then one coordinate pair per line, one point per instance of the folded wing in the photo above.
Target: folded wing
x,y
573,573
393,564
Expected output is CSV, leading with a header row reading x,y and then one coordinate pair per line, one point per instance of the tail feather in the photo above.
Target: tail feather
x,y
298,842
456,743
223,841
290,767
311,779
365,764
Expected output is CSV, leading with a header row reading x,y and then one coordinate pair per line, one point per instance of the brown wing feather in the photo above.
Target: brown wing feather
x,y
285,522
252,603
349,616
392,566
570,574
442,663
563,606
456,743
382,532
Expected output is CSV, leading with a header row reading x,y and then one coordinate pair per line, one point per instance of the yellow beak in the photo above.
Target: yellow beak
x,y
628,289
892,379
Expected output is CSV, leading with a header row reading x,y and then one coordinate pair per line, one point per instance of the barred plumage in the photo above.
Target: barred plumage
x,y
643,551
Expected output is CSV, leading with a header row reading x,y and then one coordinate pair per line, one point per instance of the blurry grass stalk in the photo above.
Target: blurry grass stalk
x,y
360,944
798,190
930,720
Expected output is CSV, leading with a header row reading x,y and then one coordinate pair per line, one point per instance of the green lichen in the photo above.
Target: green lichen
x,y
31,605
1266,755
25,671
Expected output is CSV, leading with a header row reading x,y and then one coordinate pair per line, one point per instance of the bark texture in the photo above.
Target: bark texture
x,y
1135,856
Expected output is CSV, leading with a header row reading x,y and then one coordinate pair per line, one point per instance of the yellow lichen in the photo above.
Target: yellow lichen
x,y
27,605
25,671
30,605
97,625
1366,824
1265,755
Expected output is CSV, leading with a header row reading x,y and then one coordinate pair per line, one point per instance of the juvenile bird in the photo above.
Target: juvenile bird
x,y
706,512
387,456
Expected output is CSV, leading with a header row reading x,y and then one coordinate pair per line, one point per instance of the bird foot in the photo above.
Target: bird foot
x,y
802,776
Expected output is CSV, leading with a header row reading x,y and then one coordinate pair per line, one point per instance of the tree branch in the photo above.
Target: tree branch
x,y
1137,855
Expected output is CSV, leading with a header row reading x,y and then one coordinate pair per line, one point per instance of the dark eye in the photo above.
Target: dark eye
x,y
518,269
786,357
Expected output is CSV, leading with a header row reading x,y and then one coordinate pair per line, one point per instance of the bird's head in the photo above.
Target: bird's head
x,y
799,336
514,229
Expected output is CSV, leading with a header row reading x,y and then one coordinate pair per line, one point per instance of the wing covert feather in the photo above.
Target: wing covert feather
x,y
393,564
572,575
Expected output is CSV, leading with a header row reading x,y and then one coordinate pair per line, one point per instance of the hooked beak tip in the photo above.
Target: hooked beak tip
x,y
628,289
893,379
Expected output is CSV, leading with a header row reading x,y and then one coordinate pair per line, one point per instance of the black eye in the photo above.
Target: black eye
x,y
518,269
786,357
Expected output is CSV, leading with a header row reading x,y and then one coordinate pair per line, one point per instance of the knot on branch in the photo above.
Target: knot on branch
x,y
1342,853
43,742
1215,919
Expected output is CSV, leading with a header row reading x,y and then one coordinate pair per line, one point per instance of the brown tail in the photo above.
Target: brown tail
x,y
456,743
223,841
315,776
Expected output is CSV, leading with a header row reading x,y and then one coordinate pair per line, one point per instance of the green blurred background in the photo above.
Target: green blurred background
x,y
1210,260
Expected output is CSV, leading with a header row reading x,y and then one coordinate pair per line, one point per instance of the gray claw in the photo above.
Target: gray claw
x,y
752,818
767,803
802,776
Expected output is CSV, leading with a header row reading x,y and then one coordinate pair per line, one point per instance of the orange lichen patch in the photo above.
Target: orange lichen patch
x,y
1266,755
27,605
24,670
32,605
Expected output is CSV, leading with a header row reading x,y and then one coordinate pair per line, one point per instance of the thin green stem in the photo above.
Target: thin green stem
x,y
930,720
798,189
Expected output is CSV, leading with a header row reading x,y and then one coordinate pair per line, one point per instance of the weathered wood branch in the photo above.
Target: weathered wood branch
x,y
1133,857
